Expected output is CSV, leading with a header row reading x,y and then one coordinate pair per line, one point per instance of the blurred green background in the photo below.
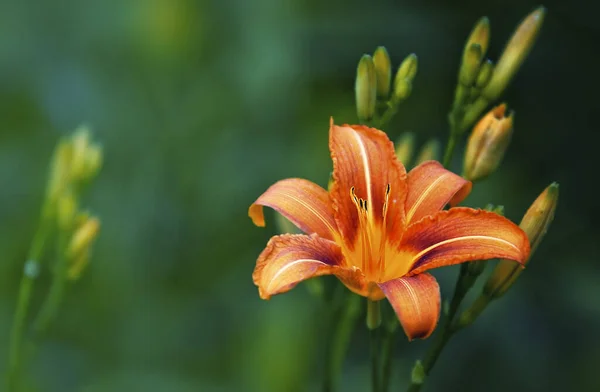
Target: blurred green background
x,y
200,106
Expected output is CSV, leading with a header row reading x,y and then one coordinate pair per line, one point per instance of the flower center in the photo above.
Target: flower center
x,y
369,252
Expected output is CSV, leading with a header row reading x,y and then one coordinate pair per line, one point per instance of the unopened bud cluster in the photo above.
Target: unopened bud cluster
x,y
480,83
77,160
374,84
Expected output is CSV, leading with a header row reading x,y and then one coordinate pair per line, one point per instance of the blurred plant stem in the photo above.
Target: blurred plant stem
x,y
454,118
445,331
374,324
55,295
375,357
344,308
30,273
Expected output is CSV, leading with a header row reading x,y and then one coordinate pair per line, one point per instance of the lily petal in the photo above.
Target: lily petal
x,y
303,202
416,300
430,188
462,234
364,160
291,258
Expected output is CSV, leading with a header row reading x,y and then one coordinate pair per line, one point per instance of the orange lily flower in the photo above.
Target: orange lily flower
x,y
379,229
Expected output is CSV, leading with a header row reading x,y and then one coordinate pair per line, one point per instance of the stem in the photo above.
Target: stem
x,y
345,309
375,343
386,359
392,109
445,331
30,273
53,300
450,147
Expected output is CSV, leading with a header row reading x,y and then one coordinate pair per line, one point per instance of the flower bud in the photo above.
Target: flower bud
x,y
78,265
404,77
514,54
480,35
66,208
83,237
429,152
402,89
80,143
383,70
60,169
366,88
535,223
469,68
408,67
485,74
488,143
405,147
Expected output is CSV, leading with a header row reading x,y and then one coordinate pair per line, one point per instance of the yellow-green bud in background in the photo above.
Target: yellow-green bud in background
x,y
404,77
83,237
480,35
60,169
514,54
383,70
405,146
485,74
429,152
284,226
366,88
80,142
488,143
66,210
330,182
469,68
535,224
78,265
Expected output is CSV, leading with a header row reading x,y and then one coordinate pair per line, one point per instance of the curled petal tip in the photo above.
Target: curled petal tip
x,y
255,212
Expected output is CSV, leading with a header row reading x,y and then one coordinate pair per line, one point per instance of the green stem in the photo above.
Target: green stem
x,y
387,115
345,309
386,359
52,302
450,147
375,368
30,273
445,330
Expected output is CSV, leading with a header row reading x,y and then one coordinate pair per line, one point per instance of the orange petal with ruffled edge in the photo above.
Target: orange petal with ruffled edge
x,y
416,301
303,202
364,159
462,234
291,258
430,188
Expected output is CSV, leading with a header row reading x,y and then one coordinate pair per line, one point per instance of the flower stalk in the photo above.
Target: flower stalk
x,y
75,162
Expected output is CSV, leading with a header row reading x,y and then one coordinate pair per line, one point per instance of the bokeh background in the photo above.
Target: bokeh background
x,y
200,106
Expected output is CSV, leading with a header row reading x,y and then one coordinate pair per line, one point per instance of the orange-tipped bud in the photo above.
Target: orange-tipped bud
x,y
514,54
365,88
535,224
405,147
488,143
383,70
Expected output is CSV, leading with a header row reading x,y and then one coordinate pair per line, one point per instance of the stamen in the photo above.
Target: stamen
x,y
388,190
361,206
